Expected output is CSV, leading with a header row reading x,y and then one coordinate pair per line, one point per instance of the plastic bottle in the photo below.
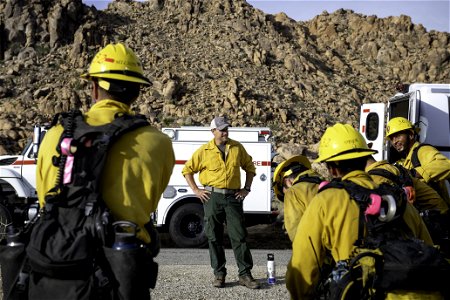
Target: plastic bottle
x,y
14,239
271,268
124,235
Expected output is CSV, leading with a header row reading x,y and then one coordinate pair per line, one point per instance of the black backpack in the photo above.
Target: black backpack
x,y
387,257
74,225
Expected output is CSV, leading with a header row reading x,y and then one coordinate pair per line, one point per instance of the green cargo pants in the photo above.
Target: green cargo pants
x,y
218,210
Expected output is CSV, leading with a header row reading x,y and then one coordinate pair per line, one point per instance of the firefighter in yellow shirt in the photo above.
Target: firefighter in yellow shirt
x,y
295,184
137,170
219,163
424,161
331,221
140,163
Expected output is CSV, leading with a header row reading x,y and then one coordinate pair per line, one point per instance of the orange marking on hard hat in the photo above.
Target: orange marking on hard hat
x,y
111,60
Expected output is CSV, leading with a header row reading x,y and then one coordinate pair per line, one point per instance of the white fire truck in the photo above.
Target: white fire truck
x,y
179,211
425,105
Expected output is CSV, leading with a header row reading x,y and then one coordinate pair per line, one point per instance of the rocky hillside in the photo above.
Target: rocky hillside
x,y
212,57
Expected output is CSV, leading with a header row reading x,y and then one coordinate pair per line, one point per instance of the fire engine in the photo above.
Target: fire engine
x,y
180,212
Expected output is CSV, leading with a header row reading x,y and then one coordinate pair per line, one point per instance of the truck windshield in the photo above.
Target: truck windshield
x,y
399,108
24,151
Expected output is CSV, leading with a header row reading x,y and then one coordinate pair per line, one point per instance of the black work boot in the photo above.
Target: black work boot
x,y
219,281
248,281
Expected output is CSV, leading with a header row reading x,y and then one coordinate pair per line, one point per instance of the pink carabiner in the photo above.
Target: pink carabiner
x,y
68,166
65,146
323,183
375,205
68,170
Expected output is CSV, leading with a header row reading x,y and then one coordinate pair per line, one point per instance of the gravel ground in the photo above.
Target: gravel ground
x,y
194,282
191,277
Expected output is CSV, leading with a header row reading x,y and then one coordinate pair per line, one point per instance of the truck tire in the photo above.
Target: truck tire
x,y
186,226
5,220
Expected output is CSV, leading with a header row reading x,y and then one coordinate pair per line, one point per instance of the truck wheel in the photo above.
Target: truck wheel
x,y
187,228
5,220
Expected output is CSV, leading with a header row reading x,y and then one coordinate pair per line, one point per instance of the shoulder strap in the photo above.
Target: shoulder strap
x,y
405,176
386,174
307,178
415,157
358,194
112,131
403,179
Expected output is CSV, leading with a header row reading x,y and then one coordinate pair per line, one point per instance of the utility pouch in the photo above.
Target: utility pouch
x,y
134,272
44,288
14,283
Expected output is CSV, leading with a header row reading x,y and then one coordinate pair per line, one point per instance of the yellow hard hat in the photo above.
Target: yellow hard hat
x,y
398,124
116,61
286,168
342,142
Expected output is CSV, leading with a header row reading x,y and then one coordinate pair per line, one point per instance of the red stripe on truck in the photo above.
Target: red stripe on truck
x,y
262,163
256,163
24,162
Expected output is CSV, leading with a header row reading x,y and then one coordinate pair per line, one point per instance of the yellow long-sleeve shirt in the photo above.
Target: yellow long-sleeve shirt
x,y
217,172
331,223
296,199
434,167
136,172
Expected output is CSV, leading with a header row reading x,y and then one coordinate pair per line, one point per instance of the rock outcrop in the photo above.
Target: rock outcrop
x,y
212,57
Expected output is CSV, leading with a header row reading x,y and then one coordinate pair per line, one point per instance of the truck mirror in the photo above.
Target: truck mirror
x,y
36,141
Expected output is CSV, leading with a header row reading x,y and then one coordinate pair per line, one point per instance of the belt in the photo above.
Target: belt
x,y
220,191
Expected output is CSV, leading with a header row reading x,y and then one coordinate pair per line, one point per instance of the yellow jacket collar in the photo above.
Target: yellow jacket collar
x,y
376,165
212,145
307,172
105,111
112,105
356,175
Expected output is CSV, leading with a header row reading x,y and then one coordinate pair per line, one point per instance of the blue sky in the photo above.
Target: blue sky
x,y
433,15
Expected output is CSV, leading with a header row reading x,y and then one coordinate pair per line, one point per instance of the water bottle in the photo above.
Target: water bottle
x,y
271,268
13,238
124,235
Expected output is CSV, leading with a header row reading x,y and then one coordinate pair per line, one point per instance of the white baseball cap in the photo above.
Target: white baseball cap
x,y
219,123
